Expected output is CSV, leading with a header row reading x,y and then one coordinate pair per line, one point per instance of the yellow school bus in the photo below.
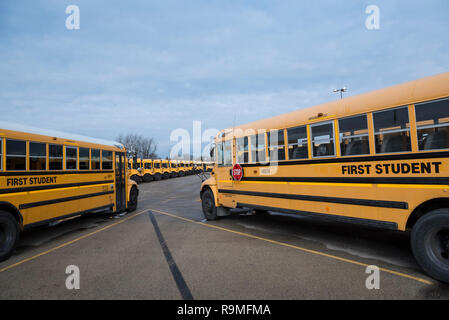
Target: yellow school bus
x,y
192,167
135,167
189,167
378,159
182,168
47,176
157,169
147,170
198,167
166,170
174,170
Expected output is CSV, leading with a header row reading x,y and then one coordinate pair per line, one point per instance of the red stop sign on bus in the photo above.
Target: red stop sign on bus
x,y
237,172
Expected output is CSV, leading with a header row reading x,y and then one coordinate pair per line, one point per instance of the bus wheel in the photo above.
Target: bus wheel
x,y
158,177
430,243
133,196
148,178
208,204
9,234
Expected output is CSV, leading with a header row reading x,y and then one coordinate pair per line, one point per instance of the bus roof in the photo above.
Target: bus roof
x,y
58,134
429,88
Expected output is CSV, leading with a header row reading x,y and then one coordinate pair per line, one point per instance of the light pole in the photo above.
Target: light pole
x,y
344,89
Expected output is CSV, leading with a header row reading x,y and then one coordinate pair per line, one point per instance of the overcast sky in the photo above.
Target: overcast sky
x,y
149,67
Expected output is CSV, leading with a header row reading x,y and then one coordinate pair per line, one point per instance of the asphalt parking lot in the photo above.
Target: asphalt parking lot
x,y
165,250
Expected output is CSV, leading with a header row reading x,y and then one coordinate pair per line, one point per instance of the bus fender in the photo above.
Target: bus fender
x,y
211,183
131,183
14,211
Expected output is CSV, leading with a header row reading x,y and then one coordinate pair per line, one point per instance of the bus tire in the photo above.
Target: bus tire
x,y
133,199
9,234
430,243
158,177
208,205
148,177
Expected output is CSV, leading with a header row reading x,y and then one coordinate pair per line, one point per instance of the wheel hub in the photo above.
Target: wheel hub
x,y
208,204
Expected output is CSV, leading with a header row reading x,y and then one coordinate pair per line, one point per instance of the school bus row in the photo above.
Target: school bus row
x,y
147,170
379,159
47,176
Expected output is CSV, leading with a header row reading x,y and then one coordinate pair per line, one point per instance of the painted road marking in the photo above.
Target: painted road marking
x,y
71,241
404,275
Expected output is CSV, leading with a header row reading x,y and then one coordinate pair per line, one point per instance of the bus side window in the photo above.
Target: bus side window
x,y
242,150
354,136
258,147
227,152
84,158
297,143
276,147
432,122
323,140
95,159
106,160
220,153
16,155
55,156
392,130
71,158
38,156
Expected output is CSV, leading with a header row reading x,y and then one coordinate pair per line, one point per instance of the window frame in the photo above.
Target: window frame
x,y
39,157
230,144
367,134
66,158
16,156
220,153
257,150
108,161
79,159
333,139
245,150
307,138
409,129
275,148
92,159
428,126
50,157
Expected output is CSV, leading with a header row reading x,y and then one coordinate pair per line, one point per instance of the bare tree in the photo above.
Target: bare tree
x,y
148,148
137,145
